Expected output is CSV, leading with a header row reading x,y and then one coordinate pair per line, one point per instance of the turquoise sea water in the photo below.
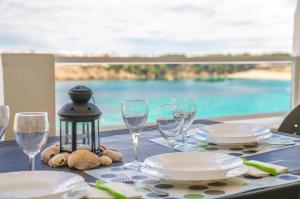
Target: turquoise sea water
x,y
222,98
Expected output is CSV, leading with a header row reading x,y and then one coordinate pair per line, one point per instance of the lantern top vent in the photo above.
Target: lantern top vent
x,y
80,108
80,94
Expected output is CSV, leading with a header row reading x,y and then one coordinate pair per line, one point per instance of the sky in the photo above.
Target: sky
x,y
147,27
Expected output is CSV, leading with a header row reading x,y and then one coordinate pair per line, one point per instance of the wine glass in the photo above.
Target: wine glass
x,y
188,112
4,118
168,125
135,114
31,130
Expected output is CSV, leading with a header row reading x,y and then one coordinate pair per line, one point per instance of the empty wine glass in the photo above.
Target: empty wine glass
x,y
188,112
4,119
168,125
135,114
31,130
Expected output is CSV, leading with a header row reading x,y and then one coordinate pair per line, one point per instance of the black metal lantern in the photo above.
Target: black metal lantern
x,y
79,122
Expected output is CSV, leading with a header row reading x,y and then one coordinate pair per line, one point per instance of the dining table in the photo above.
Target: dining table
x,y
13,159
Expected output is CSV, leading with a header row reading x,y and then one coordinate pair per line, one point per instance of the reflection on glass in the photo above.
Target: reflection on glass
x,y
135,114
188,112
169,124
31,131
4,119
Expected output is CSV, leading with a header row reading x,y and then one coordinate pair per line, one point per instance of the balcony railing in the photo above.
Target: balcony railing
x,y
23,72
280,59
175,59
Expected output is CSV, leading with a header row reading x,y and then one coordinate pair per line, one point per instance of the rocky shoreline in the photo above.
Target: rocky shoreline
x,y
100,72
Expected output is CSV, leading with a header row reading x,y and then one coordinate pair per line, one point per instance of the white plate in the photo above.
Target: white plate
x,y
240,141
193,166
42,184
236,130
235,133
236,172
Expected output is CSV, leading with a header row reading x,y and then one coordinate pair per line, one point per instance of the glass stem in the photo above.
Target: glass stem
x,y
135,140
31,162
171,145
184,137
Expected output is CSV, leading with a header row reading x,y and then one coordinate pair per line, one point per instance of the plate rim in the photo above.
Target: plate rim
x,y
60,190
230,157
244,169
265,131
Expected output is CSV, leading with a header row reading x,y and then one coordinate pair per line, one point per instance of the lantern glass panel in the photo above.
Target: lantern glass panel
x,y
66,135
97,134
84,138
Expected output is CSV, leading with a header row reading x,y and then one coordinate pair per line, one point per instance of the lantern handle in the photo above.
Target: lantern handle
x,y
93,100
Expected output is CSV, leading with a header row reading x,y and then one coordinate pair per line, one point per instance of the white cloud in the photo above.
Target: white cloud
x,y
147,27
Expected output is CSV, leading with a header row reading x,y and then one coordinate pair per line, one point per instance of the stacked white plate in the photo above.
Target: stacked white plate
x,y
194,166
42,184
236,133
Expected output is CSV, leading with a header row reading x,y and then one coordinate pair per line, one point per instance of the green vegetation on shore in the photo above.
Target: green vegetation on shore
x,y
210,72
180,71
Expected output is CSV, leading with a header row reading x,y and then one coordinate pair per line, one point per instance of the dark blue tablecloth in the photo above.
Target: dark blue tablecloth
x,y
13,159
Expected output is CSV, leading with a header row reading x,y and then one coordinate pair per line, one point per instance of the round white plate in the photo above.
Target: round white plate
x,y
235,172
42,184
236,133
193,166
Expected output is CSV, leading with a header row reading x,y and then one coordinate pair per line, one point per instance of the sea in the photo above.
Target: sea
x,y
213,98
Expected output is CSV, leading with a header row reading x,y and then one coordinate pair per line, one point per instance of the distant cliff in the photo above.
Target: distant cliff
x,y
169,72
179,71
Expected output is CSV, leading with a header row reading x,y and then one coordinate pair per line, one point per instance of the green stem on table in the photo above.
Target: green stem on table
x,y
112,192
262,167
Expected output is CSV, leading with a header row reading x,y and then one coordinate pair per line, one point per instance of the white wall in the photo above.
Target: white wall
x,y
296,58
29,86
1,82
296,42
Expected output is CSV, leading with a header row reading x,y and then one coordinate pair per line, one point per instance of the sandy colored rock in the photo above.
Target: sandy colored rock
x,y
50,152
83,160
105,160
115,155
283,74
59,160
102,147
